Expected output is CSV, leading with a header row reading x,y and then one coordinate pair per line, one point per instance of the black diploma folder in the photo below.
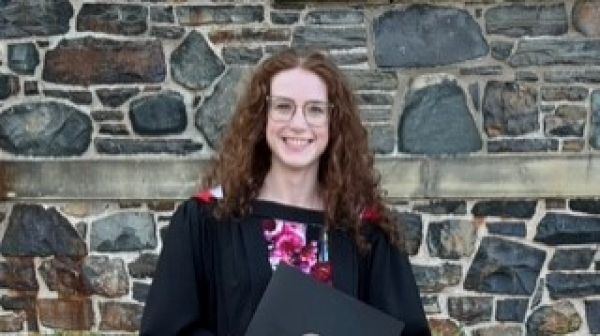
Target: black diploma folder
x,y
294,304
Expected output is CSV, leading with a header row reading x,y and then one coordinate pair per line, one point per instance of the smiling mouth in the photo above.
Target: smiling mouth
x,y
297,141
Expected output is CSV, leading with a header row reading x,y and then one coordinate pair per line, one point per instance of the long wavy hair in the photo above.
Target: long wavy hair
x,y
347,180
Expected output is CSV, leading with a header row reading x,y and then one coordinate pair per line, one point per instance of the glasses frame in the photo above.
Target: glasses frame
x,y
328,105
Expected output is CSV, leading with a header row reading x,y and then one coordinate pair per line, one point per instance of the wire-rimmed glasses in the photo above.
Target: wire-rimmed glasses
x,y
282,109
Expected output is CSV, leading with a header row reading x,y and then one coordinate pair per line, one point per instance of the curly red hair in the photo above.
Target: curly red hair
x,y
347,179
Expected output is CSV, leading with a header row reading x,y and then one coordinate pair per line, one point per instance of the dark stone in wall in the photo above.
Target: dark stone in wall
x,y
9,85
248,35
194,64
66,313
284,17
506,267
125,231
334,16
515,209
595,127
558,318
526,76
509,109
570,93
23,58
113,18
484,70
436,278
436,120
573,285
24,18
441,207
18,273
116,97
531,20
329,37
143,266
443,326
412,226
22,303
470,309
107,115
522,145
451,239
64,275
592,313
44,129
591,206
34,231
146,146
553,52
350,58
159,114
241,55
371,80
381,138
512,229
431,304
113,129
500,50
425,35
511,310
498,330
568,120
77,97
139,291
221,14
375,99
558,228
123,316
572,259
30,88
104,276
162,14
89,60
572,76
536,299
171,33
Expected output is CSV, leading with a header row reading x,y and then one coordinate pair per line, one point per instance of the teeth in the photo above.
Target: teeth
x,y
297,142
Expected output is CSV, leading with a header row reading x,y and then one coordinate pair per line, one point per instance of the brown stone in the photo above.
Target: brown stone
x,y
89,60
120,316
24,303
558,318
586,17
498,330
444,327
573,145
83,209
161,205
18,273
69,314
11,322
250,35
63,274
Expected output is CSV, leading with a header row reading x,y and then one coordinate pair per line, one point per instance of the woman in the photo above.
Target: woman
x,y
293,182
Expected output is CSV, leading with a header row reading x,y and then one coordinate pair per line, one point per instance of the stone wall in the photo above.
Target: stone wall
x,y
157,80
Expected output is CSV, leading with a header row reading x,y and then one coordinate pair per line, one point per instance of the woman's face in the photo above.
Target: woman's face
x,y
297,144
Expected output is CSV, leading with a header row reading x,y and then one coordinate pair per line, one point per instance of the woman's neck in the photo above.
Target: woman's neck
x,y
294,188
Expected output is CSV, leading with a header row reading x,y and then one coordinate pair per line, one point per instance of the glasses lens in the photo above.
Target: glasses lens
x,y
281,109
316,113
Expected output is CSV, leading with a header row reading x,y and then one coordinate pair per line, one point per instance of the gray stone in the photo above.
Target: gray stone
x,y
249,35
30,88
434,279
125,231
139,291
587,205
146,146
515,209
436,120
381,138
570,93
172,33
221,14
334,16
112,18
162,14
25,18
105,277
484,70
284,17
216,110
586,14
120,316
511,310
329,37
536,299
11,322
522,145
241,55
590,76
35,231
371,80
77,97
475,95
9,85
90,60
18,273
592,313
350,58
107,115
159,114
553,52
441,207
451,239
375,99
511,229
559,228
568,120
572,259
501,50
503,266
143,266
558,318
509,109
424,36
531,20
595,122
431,304
411,226
116,97
113,129
573,285
526,76
44,129
23,58
498,330
470,309
194,64
377,114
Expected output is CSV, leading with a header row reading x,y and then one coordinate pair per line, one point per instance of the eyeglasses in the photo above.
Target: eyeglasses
x,y
316,113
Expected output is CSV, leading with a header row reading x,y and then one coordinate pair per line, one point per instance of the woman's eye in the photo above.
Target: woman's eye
x,y
283,107
316,110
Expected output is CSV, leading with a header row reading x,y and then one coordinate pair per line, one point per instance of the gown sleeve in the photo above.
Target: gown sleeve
x,y
392,287
174,305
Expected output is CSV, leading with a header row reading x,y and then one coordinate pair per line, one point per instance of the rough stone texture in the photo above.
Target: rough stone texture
x,y
451,239
572,259
77,97
344,59
113,129
431,279
503,266
522,145
18,273
475,95
162,14
215,112
501,50
484,70
431,304
586,14
513,229
171,33
595,127
23,58
329,38
424,35
376,99
515,209
381,138
30,88
591,206
558,228
26,303
371,80
194,64
64,275
470,309
412,227
34,231
440,207
498,330
120,316
536,299
570,93
89,60
241,55
125,231
526,76
557,318
44,129
436,120
68,314
573,285
334,16
443,327
159,114
25,18
511,310
139,291
572,76
509,109
11,322
592,313
568,121
104,276
554,51
225,14
249,35
154,146
116,97
284,17
113,19
143,266
108,115
531,20
9,85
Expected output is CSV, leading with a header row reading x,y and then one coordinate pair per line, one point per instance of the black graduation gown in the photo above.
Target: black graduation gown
x,y
211,274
